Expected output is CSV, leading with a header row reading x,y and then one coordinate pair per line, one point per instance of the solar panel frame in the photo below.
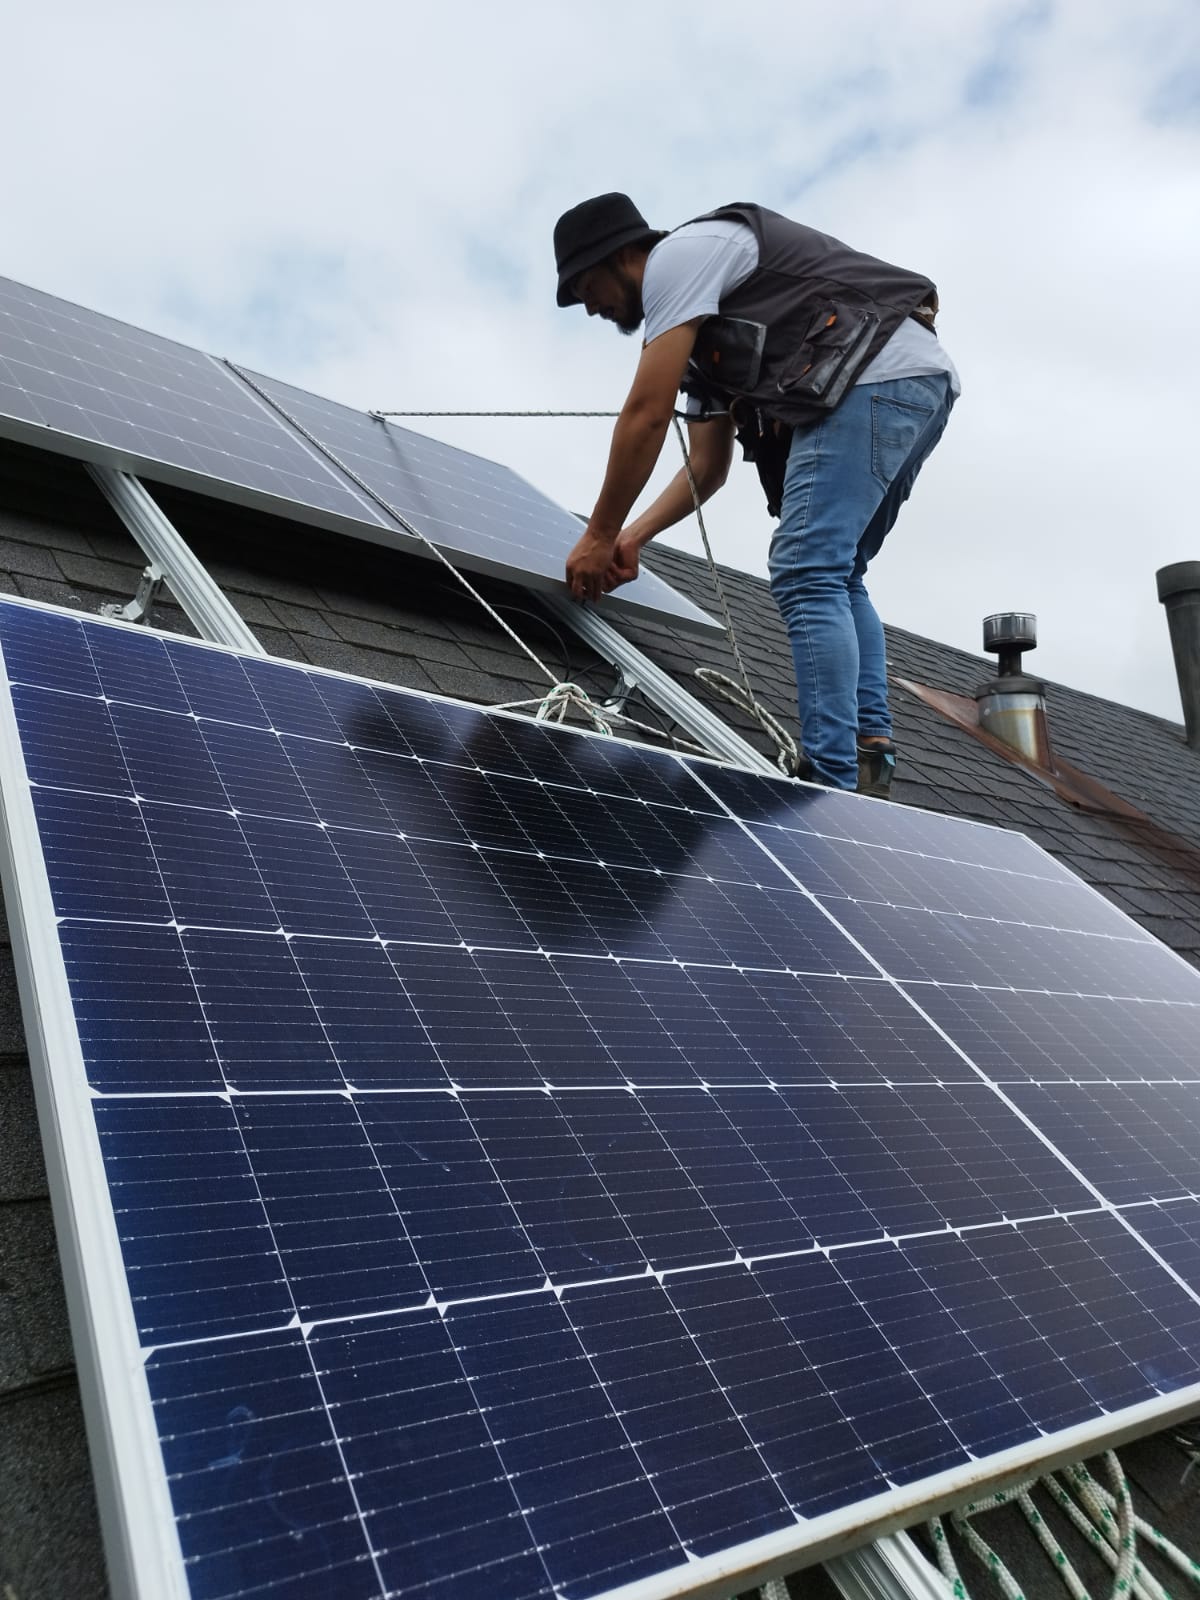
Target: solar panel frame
x,y
331,500
143,1548
137,1518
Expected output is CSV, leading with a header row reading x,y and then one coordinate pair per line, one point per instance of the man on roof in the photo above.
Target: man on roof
x,y
823,363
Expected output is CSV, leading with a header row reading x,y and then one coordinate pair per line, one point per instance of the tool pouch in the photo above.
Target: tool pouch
x,y
766,442
830,357
728,353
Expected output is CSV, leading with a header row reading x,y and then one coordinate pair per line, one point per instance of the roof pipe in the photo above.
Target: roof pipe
x,y
1179,591
1012,707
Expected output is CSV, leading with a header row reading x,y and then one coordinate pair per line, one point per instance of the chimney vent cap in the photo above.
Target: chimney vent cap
x,y
1181,577
1009,630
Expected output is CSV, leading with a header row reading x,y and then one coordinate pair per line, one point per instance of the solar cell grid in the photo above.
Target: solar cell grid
x,y
459,500
777,804
527,1185
1051,1037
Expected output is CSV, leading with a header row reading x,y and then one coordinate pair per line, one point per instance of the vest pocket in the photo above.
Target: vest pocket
x,y
729,351
830,356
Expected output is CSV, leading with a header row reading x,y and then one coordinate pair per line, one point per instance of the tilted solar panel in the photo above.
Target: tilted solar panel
x,y
102,390
493,1160
91,386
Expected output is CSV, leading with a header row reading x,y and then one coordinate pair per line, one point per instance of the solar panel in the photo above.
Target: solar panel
x,y
501,1161
102,390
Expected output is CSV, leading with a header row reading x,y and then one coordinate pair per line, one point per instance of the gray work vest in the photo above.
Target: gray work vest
x,y
813,313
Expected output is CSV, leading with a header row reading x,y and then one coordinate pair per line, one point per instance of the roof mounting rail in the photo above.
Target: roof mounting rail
x,y
712,731
201,597
891,1568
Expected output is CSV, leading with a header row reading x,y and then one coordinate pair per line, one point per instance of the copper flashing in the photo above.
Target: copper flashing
x,y
1178,856
1077,788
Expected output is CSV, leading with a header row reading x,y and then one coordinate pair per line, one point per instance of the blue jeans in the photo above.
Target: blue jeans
x,y
847,477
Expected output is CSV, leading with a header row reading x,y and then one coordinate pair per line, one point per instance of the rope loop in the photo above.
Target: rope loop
x,y
562,697
558,700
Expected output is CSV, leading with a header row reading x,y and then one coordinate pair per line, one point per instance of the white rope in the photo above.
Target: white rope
x,y
554,705
945,1558
1100,1531
1107,1521
983,1552
1051,1546
788,756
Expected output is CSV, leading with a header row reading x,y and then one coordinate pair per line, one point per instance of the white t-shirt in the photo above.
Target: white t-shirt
x,y
689,272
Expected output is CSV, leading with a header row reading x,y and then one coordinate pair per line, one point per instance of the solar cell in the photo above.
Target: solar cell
x,y
532,1165
101,390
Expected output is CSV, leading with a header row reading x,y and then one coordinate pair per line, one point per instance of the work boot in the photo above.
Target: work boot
x,y
876,764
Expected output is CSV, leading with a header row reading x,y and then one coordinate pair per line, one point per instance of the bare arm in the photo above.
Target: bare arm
x,y
710,447
637,440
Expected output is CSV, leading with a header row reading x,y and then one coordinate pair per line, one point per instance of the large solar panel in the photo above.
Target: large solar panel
x,y
497,1161
102,390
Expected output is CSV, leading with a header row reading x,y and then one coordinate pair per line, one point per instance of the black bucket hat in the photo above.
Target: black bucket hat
x,y
590,232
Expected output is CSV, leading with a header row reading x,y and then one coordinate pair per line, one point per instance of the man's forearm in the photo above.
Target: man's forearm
x,y
636,443
672,506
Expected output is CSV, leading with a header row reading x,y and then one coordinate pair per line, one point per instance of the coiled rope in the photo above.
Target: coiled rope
x,y
1105,1518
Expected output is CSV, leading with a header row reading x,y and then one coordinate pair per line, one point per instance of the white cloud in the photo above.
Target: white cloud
x,y
360,199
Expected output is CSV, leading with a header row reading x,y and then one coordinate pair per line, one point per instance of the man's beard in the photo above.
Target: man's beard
x,y
631,315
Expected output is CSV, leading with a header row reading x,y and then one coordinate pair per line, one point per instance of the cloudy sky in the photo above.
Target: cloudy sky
x,y
359,198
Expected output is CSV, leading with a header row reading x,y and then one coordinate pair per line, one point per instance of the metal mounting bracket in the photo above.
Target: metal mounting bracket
x,y
136,609
193,586
620,692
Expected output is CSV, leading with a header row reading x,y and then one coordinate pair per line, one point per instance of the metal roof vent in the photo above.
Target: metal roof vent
x,y
1012,707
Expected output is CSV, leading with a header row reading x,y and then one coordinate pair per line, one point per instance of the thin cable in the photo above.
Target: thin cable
x,y
392,512
712,565
382,415
788,756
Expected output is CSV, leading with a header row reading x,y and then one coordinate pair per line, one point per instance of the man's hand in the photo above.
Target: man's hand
x,y
637,438
589,562
625,563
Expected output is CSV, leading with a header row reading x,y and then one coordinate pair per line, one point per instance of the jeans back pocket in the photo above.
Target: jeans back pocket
x,y
896,428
